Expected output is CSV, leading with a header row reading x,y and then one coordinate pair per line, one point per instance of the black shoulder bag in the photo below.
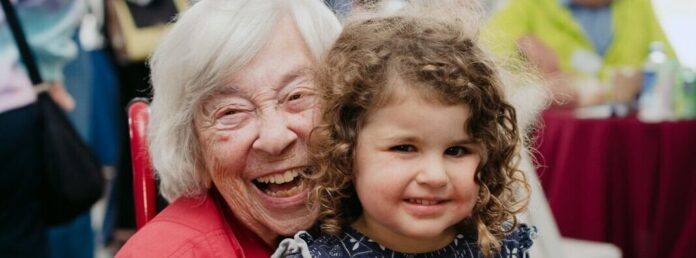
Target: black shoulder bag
x,y
72,180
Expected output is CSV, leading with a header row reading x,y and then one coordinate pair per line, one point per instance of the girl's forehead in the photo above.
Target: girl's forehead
x,y
398,90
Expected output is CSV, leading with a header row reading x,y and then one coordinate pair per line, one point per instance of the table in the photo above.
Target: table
x,y
622,181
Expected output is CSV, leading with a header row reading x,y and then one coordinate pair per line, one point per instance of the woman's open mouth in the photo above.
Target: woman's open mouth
x,y
284,184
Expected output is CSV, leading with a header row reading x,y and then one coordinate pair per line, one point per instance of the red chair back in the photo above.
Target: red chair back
x,y
143,175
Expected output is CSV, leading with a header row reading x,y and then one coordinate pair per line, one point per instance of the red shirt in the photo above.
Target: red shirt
x,y
195,227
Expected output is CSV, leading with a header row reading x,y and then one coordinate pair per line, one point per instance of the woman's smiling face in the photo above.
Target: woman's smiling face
x,y
253,132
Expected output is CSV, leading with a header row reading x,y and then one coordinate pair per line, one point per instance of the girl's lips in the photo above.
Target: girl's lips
x,y
424,208
423,201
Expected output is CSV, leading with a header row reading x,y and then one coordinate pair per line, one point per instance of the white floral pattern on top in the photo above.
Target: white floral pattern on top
x,y
354,244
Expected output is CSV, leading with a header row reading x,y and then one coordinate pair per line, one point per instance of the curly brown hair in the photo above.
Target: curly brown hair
x,y
441,60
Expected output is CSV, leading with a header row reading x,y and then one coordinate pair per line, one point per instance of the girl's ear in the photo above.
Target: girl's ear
x,y
479,199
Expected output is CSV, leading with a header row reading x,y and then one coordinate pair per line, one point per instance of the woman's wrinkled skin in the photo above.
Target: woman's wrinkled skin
x,y
258,125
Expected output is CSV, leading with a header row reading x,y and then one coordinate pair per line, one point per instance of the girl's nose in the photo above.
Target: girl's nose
x,y
433,173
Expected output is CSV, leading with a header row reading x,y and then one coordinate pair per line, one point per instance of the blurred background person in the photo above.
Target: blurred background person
x,y
48,26
593,55
91,80
342,8
570,40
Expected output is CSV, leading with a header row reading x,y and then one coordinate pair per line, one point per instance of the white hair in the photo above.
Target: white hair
x,y
208,42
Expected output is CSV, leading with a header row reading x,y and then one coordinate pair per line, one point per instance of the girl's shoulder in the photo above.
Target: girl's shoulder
x,y
352,243
303,245
519,240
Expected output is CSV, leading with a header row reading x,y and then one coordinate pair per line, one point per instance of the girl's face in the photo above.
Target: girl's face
x,y
414,173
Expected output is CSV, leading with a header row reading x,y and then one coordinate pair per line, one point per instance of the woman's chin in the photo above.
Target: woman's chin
x,y
287,212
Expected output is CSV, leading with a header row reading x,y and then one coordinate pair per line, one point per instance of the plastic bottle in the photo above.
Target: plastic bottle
x,y
685,94
651,67
651,102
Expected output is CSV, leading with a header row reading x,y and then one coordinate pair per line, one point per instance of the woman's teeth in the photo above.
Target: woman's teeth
x,y
284,184
288,176
287,193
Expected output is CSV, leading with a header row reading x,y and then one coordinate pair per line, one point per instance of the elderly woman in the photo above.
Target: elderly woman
x,y
232,111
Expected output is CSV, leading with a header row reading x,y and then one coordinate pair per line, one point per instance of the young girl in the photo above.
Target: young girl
x,y
416,151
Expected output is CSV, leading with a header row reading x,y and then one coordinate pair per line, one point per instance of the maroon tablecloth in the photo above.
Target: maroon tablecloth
x,y
622,181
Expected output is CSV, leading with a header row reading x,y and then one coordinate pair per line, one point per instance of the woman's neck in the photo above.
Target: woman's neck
x,y
402,243
248,229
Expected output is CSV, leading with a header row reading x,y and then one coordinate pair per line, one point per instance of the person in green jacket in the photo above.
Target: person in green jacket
x,y
569,39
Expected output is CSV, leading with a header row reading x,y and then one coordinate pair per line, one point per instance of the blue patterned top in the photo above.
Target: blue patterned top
x,y
354,244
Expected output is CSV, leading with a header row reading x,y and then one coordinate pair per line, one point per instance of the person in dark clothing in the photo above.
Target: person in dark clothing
x,y
48,26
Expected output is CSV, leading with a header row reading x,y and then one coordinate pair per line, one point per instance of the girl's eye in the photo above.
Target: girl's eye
x,y
457,151
403,148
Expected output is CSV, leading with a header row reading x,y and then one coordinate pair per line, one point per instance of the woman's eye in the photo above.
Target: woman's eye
x,y
403,148
232,117
457,151
230,112
299,101
295,96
